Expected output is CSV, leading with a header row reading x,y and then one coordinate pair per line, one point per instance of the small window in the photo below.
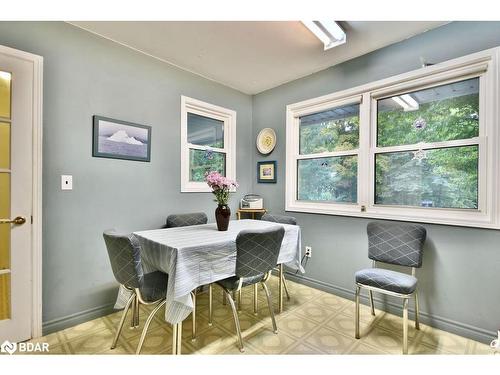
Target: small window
x,y
208,143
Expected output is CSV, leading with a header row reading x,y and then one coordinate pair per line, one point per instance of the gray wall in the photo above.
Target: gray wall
x,y
86,75
459,279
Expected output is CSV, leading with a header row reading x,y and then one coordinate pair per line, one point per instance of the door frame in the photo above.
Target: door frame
x,y
36,218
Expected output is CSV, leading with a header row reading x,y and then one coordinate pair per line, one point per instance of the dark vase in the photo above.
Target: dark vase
x,y
222,216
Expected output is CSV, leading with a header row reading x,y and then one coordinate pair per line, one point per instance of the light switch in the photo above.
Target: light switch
x,y
66,182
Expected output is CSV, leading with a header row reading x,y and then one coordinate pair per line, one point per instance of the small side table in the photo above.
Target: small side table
x,y
251,211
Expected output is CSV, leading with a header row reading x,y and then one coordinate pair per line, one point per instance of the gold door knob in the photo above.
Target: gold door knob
x,y
18,221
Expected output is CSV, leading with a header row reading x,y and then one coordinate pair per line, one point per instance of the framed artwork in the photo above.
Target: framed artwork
x,y
118,139
266,171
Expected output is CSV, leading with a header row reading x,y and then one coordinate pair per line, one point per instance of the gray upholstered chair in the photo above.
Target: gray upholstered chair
x,y
184,220
124,252
281,219
399,244
256,256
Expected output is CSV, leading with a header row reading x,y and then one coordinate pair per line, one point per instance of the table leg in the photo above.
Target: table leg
x,y
238,215
177,338
280,288
193,337
210,304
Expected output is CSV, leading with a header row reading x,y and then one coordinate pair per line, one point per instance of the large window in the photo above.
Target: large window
x,y
208,143
422,146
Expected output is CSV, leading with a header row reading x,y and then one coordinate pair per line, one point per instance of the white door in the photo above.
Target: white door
x,y
16,190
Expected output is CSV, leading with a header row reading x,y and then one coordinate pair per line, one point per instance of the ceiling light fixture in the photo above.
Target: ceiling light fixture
x,y
329,32
407,102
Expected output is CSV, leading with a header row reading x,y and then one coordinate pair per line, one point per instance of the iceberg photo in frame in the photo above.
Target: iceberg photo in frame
x,y
118,139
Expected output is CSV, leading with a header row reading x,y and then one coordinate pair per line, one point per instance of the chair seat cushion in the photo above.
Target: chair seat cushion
x,y
388,280
154,287
231,283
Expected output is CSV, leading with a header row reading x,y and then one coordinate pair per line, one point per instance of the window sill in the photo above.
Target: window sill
x,y
461,218
196,187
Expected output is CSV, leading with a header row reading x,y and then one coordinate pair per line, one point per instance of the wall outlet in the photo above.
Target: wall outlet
x,y
308,251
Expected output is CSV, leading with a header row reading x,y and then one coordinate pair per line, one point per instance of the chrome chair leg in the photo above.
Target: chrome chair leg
x,y
371,303
417,313
358,289
405,326
238,296
286,287
134,322
270,304
255,299
122,320
210,306
132,318
146,325
236,320
193,314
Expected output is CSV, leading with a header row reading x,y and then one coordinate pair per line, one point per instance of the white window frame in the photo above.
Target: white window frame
x,y
484,65
228,116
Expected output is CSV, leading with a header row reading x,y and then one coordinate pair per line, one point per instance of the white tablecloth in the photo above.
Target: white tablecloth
x,y
199,255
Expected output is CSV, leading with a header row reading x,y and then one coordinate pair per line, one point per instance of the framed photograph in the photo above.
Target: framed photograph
x,y
118,139
266,171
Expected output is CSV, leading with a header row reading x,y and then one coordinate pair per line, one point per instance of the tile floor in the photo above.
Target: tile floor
x,y
313,322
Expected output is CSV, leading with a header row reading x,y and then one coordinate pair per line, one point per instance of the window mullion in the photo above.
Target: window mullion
x,y
204,148
428,146
327,154
363,152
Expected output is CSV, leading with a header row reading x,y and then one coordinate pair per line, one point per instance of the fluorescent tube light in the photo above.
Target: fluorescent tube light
x,y
412,103
329,32
407,102
401,102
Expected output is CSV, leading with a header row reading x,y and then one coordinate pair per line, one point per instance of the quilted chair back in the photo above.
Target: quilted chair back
x,y
124,253
281,219
257,251
184,220
396,243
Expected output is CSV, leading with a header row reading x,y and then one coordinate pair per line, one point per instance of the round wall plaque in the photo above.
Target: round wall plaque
x,y
266,141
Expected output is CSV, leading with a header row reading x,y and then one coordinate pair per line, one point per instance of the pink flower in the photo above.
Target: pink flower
x,y
220,186
216,181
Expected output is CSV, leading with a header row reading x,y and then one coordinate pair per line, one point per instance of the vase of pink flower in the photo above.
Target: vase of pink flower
x,y
221,186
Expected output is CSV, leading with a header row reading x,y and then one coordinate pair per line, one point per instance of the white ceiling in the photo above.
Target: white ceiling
x,y
251,56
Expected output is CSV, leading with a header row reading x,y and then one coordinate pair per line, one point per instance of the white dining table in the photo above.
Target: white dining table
x,y
198,255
